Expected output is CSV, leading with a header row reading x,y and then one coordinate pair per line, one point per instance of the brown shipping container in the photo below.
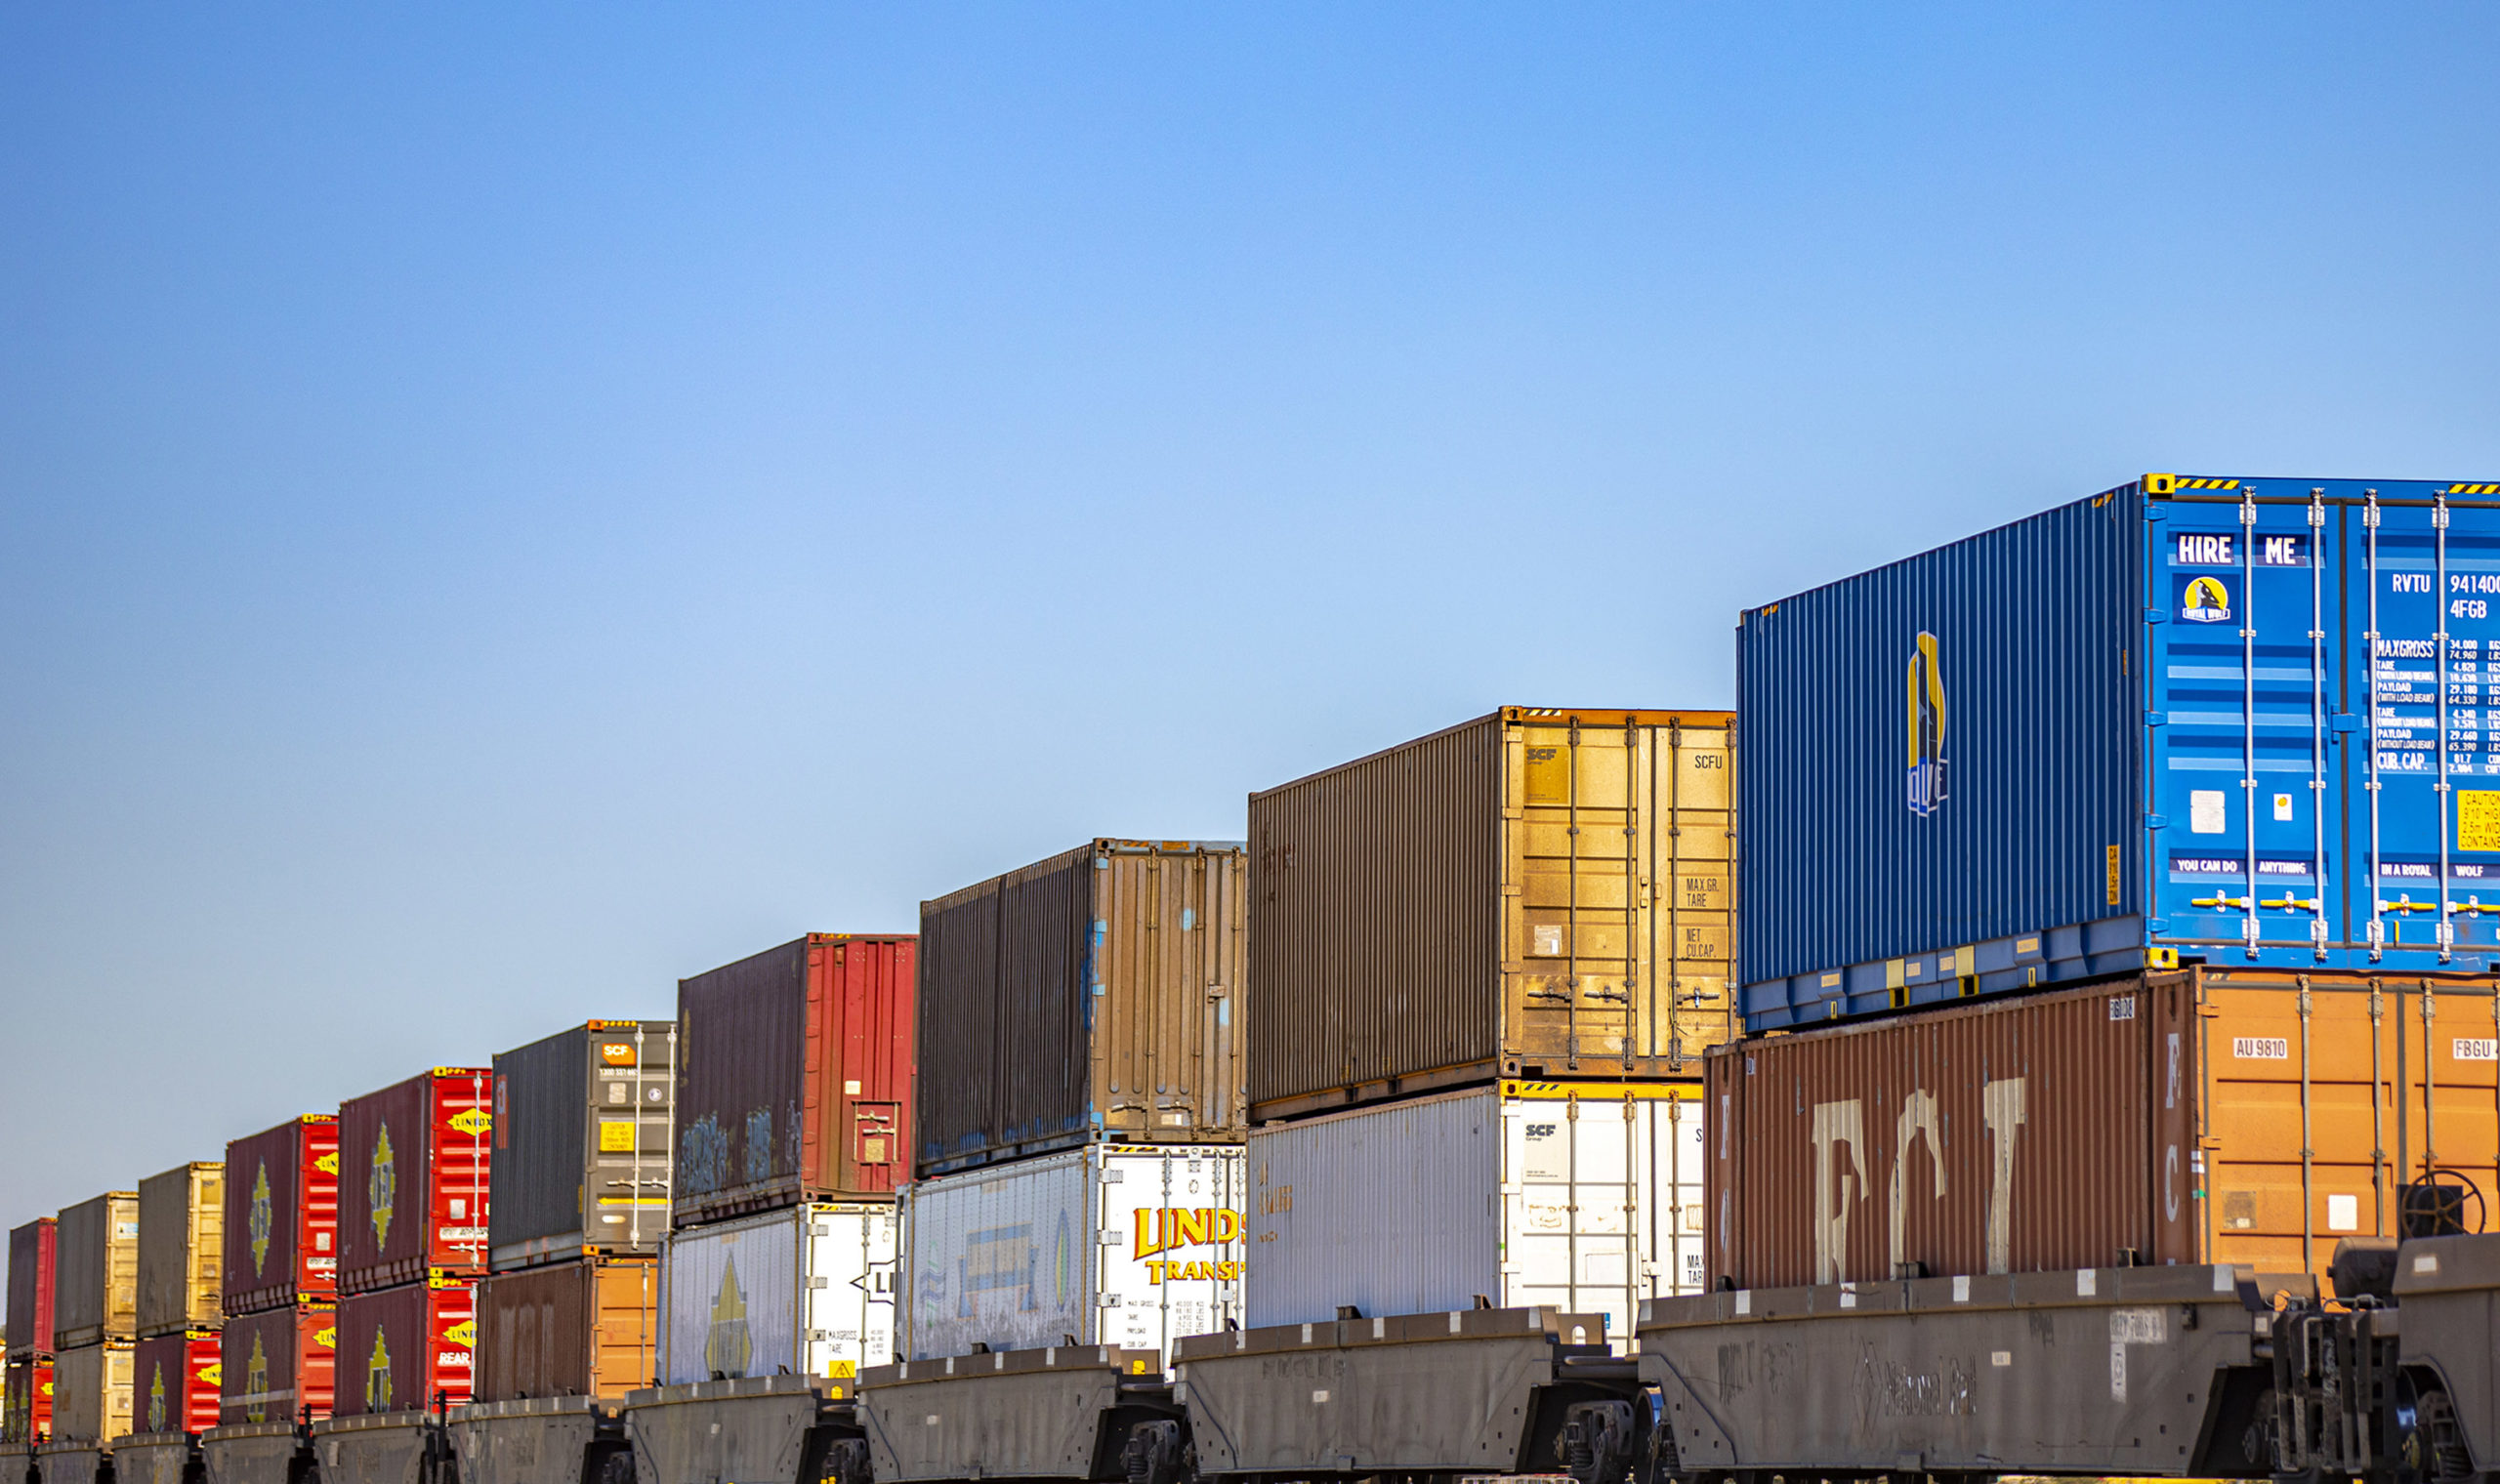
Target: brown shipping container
x,y
26,1409
173,1384
2201,1116
1091,996
582,1132
415,1174
181,1248
585,1328
794,1076
399,1346
31,1253
95,1291
91,1392
275,1364
1535,893
281,1226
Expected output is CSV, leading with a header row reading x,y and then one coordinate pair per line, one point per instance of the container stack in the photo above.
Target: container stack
x,y
278,1350
415,1172
25,1418
1488,964
1080,1107
94,1322
2112,885
182,1255
792,1132
580,1182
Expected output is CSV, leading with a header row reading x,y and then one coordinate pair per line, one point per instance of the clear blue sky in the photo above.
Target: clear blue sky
x,y
503,507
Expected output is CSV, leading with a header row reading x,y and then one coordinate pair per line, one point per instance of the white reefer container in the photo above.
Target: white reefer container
x,y
1114,1244
804,1290
1582,1197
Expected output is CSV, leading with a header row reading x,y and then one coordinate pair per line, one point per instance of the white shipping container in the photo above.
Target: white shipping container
x,y
1114,1244
1584,1198
805,1290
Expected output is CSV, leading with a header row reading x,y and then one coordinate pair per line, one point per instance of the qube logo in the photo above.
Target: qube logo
x,y
382,1187
260,1218
2205,600
1926,718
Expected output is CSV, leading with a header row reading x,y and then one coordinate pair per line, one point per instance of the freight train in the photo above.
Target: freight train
x,y
2108,1088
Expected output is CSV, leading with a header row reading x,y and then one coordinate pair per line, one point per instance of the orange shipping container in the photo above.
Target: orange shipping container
x,y
585,1328
2202,1115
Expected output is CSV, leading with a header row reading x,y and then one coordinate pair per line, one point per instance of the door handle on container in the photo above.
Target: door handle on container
x,y
2237,903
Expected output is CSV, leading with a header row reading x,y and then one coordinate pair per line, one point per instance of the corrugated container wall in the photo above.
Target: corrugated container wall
x,y
582,1131
2146,728
95,1292
91,1392
585,1328
25,1412
31,1255
1093,995
1583,1198
414,1178
397,1348
2158,1119
794,1076
181,1248
803,1291
174,1387
275,1363
282,1227
1535,893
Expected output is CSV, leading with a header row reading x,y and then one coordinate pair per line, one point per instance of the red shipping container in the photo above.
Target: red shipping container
x,y
277,1362
282,1215
174,1382
33,1250
794,1077
29,1415
414,1178
398,1347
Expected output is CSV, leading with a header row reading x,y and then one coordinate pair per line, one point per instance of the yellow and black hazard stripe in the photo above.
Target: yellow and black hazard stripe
x,y
2471,489
2163,485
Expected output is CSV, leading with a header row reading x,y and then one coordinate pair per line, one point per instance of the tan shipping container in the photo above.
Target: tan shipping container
x,y
1095,995
181,1248
2207,1115
585,1328
1536,893
96,1271
90,1388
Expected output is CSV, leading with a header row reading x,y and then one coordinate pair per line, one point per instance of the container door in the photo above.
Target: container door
x,y
1576,927
848,1290
1178,1270
1575,1189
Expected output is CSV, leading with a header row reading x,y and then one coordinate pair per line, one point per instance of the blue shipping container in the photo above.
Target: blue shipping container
x,y
2192,718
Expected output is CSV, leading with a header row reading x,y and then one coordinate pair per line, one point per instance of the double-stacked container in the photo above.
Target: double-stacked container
x,y
1080,1107
415,1179
2114,877
95,1321
26,1414
793,1122
281,1273
1488,963
583,1127
175,1365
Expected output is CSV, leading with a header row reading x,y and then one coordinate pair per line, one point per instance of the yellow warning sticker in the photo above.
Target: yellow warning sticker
x,y
2109,876
616,1135
2478,819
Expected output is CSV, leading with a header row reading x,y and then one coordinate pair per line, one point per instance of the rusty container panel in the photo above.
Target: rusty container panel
x,y
281,1224
582,1130
2156,1118
32,1252
25,1410
91,1392
399,1347
585,1328
794,1077
275,1363
1537,894
415,1176
96,1271
1095,995
181,1248
175,1381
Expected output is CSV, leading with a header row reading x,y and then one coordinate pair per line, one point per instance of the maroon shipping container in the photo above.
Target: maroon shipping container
x,y
275,1363
794,1077
282,1215
414,1178
399,1346
585,1328
173,1387
31,1255
26,1413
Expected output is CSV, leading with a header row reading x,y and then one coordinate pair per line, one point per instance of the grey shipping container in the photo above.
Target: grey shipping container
x,y
2242,720
1091,996
91,1389
96,1283
1537,894
582,1129
181,1248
